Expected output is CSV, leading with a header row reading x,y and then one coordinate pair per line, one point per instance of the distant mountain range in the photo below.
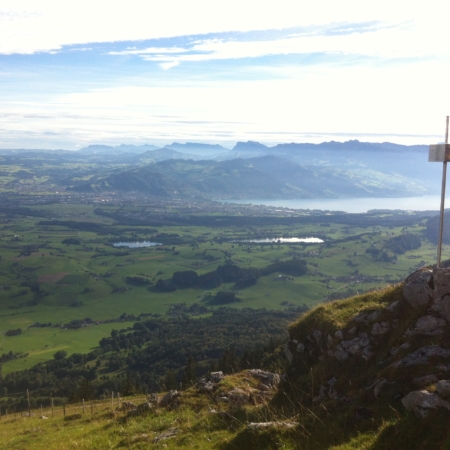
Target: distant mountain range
x,y
250,170
261,177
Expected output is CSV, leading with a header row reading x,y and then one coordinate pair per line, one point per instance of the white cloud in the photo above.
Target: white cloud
x,y
27,26
385,42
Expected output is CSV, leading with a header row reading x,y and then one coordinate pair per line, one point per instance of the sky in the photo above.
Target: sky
x,y
75,73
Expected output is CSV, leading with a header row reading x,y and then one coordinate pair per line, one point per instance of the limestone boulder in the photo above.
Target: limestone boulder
x,y
443,389
170,399
268,378
422,356
422,402
441,283
216,377
428,325
417,290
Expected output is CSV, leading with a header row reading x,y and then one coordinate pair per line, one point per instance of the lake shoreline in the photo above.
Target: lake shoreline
x,y
350,205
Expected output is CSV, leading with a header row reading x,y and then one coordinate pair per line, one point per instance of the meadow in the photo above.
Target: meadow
x,y
67,271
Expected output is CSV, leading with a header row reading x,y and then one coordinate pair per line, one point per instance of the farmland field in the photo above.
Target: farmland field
x,y
59,268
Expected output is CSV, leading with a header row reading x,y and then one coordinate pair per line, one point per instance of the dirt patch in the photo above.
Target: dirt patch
x,y
49,277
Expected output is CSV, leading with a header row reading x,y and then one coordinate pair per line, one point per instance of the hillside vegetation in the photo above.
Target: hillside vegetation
x,y
368,372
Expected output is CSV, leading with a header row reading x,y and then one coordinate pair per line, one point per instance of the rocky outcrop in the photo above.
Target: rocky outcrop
x,y
170,433
429,288
428,325
269,379
262,425
422,356
422,402
418,288
416,326
170,399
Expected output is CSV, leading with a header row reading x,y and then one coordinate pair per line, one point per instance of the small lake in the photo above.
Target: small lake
x,y
136,244
308,240
352,205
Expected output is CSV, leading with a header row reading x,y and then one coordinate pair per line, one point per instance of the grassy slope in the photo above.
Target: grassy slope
x,y
325,424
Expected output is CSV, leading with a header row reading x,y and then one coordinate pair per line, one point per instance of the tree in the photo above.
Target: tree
x,y
60,354
85,391
170,380
190,372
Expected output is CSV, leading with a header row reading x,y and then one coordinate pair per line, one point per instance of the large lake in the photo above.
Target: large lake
x,y
354,205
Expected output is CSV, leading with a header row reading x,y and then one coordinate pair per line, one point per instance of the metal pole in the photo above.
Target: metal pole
x,y
441,221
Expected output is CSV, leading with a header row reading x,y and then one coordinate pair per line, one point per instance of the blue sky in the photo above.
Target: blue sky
x,y
79,73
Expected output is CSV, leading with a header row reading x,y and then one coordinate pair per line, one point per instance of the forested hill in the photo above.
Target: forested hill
x,y
262,177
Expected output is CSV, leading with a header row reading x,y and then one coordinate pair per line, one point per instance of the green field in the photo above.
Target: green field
x,y
46,277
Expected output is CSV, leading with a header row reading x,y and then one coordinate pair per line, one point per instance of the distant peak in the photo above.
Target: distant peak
x,y
250,146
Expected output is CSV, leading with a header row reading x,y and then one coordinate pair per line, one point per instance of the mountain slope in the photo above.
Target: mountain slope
x,y
369,372
263,177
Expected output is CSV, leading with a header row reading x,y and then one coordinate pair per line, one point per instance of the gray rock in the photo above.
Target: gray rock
x,y
127,406
330,341
443,389
361,317
300,348
416,290
379,328
339,335
317,334
421,402
216,377
341,355
263,387
170,433
428,325
356,345
238,398
441,283
262,425
208,386
170,399
421,356
393,306
268,378
442,307
424,381
378,386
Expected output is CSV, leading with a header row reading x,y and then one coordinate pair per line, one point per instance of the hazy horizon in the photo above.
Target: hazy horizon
x,y
79,73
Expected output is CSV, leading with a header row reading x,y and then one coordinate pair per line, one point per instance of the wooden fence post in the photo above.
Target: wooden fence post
x,y
83,405
29,405
64,409
92,407
52,408
112,400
